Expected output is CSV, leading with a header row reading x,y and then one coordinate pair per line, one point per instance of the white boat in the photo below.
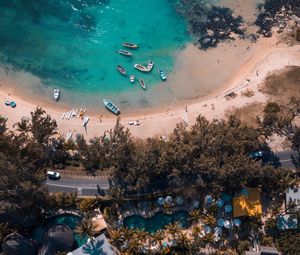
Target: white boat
x,y
56,94
130,45
111,106
85,121
150,65
63,115
141,68
132,78
162,75
69,135
142,83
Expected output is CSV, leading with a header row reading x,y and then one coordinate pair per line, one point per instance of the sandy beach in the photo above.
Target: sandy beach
x,y
251,64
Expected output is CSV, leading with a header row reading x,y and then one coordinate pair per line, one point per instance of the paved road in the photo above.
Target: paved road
x,y
88,187
286,158
85,187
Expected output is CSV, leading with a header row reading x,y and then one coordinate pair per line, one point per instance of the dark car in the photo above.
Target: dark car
x,y
256,154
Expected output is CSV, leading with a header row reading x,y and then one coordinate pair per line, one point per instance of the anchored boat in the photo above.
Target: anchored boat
x,y
162,75
132,78
56,94
130,45
121,69
125,52
141,68
150,65
142,83
111,106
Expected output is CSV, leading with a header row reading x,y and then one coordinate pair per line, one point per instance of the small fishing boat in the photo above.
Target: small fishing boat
x,y
141,68
111,106
56,94
63,115
162,75
142,83
150,65
130,45
125,52
69,135
121,70
85,121
132,78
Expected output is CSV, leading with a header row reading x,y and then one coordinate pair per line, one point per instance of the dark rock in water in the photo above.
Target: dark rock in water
x,y
16,244
58,238
210,25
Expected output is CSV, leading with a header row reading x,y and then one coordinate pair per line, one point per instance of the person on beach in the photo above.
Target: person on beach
x,y
100,118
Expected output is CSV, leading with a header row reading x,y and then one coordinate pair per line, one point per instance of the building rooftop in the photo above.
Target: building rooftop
x,y
100,246
248,203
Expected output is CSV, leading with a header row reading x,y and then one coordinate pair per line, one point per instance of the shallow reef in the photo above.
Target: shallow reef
x,y
210,24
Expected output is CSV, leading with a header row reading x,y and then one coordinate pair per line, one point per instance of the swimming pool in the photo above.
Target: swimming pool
x,y
158,221
69,220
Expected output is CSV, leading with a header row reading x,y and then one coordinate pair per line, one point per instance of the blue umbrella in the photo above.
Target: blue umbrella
x,y
168,200
220,222
161,201
228,208
207,230
227,224
237,222
208,199
220,203
218,230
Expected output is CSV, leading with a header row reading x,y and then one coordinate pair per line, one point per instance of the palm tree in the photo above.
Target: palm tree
x,y
209,220
182,242
22,126
86,227
159,237
173,229
196,231
195,216
4,231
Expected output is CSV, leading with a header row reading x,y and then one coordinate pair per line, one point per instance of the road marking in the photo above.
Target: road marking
x,y
69,186
286,160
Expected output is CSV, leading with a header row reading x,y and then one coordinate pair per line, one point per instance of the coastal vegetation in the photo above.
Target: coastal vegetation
x,y
208,157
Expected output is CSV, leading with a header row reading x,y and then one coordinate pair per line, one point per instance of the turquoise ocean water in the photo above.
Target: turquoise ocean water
x,y
72,44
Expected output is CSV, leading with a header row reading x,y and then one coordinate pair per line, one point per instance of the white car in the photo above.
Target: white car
x,y
53,175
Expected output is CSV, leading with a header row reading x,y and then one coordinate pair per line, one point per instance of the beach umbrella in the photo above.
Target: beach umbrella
x,y
161,201
207,229
228,208
208,199
221,222
227,224
196,204
220,203
237,222
168,200
218,230
179,200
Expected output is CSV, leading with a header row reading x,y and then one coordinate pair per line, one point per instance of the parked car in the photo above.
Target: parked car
x,y
256,154
53,175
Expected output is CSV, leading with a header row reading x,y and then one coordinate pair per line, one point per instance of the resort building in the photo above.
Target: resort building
x,y
248,203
